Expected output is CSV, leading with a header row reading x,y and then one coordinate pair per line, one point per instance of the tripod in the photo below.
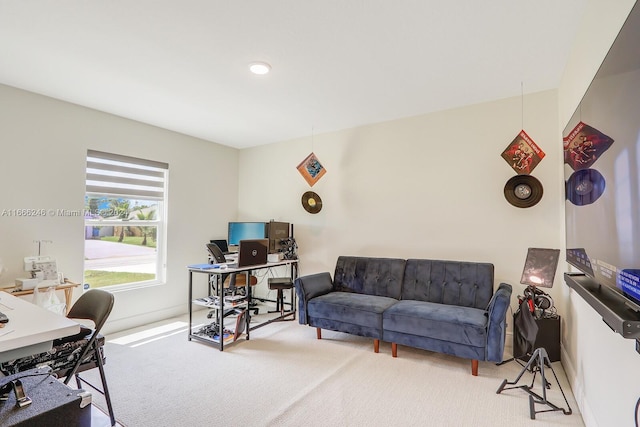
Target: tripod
x,y
536,364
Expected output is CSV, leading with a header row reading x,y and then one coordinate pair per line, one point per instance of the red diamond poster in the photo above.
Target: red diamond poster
x,y
523,155
584,145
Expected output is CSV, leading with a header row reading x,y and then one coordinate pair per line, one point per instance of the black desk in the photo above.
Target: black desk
x,y
216,278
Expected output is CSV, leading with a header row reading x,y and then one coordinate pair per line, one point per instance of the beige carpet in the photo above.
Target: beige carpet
x,y
284,376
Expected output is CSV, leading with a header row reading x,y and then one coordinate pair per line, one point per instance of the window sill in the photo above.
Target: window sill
x,y
132,286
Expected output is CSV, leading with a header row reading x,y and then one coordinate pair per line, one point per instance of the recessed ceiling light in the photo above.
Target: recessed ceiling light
x,y
259,67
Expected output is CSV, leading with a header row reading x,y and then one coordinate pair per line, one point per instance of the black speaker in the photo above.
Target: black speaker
x,y
548,338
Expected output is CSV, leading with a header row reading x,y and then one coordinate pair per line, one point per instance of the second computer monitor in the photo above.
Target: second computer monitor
x,y
222,244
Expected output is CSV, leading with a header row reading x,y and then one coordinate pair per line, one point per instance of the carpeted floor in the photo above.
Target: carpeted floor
x,y
284,376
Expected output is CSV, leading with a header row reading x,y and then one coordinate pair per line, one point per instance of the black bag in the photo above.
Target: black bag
x,y
526,330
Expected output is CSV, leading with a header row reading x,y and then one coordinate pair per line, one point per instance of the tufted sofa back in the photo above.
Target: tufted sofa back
x,y
466,284
371,276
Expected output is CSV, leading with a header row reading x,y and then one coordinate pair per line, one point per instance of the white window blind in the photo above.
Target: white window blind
x,y
122,176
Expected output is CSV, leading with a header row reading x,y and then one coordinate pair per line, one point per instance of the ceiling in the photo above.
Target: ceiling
x,y
336,64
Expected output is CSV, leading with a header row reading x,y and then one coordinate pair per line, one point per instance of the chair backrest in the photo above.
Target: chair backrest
x,y
238,280
94,305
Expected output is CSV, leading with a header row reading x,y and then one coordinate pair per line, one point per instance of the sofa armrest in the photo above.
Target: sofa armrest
x,y
497,322
309,287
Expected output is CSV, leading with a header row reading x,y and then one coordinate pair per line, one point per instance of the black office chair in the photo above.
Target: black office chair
x,y
76,353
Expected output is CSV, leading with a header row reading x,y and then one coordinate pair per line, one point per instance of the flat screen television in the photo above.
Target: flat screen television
x,y
602,171
245,231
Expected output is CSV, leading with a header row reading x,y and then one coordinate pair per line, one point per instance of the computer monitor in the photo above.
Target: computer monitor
x,y
222,244
245,231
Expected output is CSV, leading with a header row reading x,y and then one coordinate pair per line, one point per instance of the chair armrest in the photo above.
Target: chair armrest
x,y
309,287
497,322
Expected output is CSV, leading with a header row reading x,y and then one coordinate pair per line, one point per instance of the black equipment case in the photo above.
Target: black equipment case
x,y
36,398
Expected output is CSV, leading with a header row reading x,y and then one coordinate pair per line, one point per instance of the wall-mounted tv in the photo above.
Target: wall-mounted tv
x,y
246,231
602,171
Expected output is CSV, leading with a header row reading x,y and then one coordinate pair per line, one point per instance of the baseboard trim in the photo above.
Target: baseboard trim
x,y
577,387
134,321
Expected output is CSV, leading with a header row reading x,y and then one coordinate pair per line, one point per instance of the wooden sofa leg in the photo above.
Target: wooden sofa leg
x,y
394,349
474,368
376,346
319,333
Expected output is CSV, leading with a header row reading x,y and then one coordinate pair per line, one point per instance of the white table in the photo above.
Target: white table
x,y
31,329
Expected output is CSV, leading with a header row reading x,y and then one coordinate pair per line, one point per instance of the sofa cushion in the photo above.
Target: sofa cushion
x,y
467,284
462,325
347,307
372,276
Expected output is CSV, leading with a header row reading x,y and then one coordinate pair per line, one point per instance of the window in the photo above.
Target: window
x,y
125,220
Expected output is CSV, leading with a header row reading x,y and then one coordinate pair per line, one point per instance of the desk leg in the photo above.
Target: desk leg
x,y
248,292
68,296
220,294
189,302
294,276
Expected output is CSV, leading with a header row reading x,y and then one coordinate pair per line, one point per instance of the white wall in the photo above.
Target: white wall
x,y
42,165
600,364
425,187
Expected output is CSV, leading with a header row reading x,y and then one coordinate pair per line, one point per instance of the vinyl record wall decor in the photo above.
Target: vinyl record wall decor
x,y
523,191
523,155
311,169
311,202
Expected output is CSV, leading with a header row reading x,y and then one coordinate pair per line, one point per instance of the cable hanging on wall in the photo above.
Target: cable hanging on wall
x,y
522,104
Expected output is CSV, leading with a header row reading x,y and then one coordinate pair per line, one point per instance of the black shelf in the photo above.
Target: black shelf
x,y
209,339
228,305
609,304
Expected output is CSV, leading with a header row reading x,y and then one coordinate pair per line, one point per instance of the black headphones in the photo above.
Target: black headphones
x,y
540,299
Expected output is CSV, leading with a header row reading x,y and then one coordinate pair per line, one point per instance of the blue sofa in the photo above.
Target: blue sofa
x,y
443,306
